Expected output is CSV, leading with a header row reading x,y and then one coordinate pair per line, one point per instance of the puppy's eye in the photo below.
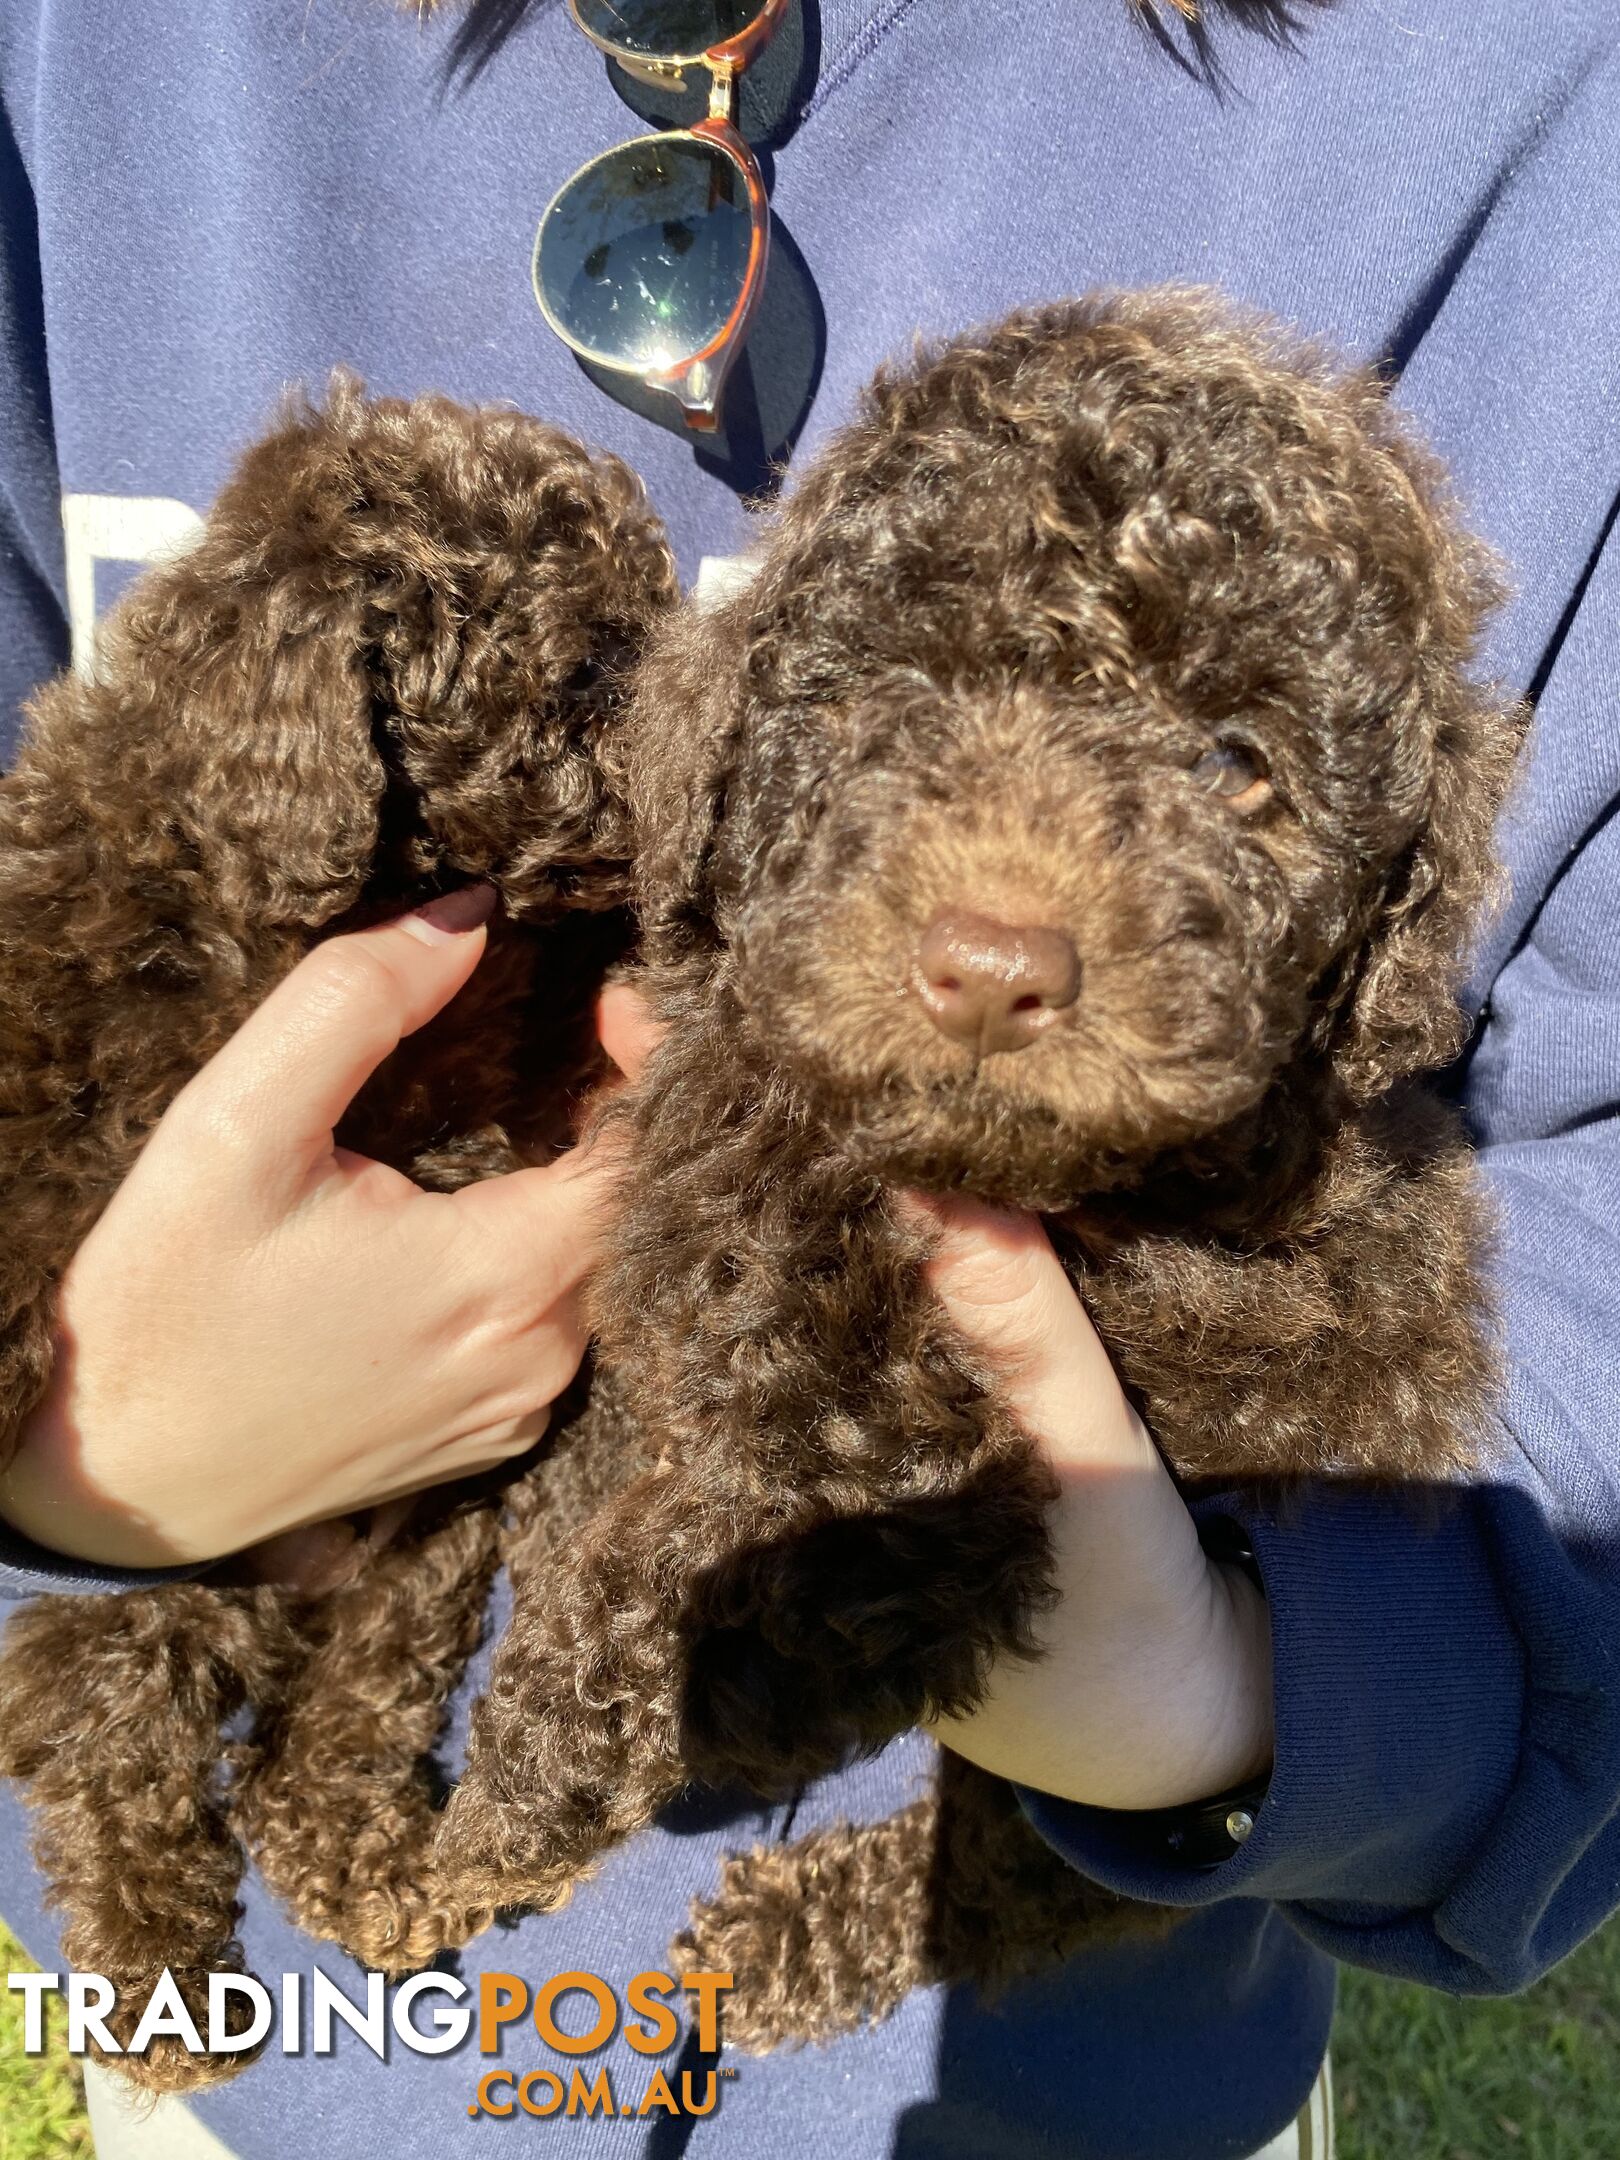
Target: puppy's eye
x,y
1235,773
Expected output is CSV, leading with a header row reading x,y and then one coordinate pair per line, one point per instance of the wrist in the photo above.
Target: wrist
x,y
1154,1704
1248,1727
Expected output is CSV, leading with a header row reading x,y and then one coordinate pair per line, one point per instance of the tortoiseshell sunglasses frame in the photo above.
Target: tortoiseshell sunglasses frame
x,y
696,381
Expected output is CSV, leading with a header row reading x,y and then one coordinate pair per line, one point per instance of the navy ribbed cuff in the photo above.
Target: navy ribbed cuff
x,y
1400,1692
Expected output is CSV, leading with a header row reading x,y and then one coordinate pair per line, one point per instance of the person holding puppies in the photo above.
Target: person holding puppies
x,y
1423,1718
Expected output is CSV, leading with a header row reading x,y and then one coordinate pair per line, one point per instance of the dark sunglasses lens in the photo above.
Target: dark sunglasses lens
x,y
643,256
667,29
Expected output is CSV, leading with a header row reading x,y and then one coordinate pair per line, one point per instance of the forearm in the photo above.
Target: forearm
x,y
1151,1691
1154,1683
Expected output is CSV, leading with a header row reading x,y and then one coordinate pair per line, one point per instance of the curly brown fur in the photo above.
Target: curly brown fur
x,y
997,633
383,1656
1011,629
894,1538
386,668
113,1714
484,1849
838,1928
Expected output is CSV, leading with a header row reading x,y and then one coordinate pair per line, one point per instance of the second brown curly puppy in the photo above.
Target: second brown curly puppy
x,y
385,669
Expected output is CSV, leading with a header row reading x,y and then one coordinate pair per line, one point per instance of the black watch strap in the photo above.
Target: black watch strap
x,y
1201,1834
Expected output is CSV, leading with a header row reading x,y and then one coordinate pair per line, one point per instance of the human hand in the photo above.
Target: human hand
x,y
1155,1685
265,1330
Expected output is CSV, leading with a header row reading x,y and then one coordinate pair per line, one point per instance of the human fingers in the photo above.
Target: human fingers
x,y
314,1559
471,1454
537,1233
271,1097
1003,1286
626,1027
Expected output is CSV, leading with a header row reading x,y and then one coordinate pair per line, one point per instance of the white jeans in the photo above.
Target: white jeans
x,y
127,2128
170,2131
1311,2136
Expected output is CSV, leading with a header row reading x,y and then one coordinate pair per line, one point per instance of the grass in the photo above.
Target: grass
x,y
41,2098
1420,2076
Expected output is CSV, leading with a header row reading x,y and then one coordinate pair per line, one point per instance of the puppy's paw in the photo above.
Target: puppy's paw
x,y
166,2064
492,1852
810,1959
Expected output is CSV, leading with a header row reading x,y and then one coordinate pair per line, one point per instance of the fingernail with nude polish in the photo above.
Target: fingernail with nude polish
x,y
452,915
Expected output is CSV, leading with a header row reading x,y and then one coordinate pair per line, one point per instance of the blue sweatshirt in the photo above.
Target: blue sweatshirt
x,y
202,201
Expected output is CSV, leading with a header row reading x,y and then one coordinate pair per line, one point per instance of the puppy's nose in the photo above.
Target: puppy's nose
x,y
994,985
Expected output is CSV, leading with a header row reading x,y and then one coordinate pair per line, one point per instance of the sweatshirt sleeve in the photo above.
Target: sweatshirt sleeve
x,y
1442,1805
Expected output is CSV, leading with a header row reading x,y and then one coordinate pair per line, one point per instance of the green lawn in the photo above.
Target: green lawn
x,y
1420,2077
1424,2077
41,2102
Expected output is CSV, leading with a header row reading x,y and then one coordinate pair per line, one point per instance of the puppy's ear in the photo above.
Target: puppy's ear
x,y
388,663
1399,1012
679,749
220,761
1455,742
515,580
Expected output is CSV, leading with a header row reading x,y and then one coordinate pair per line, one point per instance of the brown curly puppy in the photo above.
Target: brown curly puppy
x,y
1087,807
384,670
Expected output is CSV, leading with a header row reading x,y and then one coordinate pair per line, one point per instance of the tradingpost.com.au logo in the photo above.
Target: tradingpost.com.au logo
x,y
432,2013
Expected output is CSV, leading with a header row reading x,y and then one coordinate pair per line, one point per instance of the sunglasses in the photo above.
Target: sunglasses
x,y
650,261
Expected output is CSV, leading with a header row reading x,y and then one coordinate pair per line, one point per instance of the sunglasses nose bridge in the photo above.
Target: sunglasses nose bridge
x,y
723,95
